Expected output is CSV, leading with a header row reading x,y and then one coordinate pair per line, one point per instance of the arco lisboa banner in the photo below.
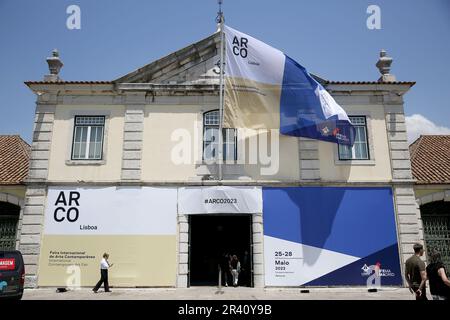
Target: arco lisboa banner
x,y
135,225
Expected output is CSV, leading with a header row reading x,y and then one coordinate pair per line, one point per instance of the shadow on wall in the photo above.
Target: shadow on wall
x,y
317,208
316,211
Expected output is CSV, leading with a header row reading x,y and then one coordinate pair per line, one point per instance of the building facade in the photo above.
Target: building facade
x,y
430,160
128,167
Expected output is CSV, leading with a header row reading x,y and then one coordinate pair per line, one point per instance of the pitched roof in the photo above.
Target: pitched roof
x,y
182,59
430,159
14,160
180,66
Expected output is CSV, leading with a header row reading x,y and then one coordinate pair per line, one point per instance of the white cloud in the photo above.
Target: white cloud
x,y
418,124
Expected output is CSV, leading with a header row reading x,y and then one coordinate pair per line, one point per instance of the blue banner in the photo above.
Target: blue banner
x,y
329,236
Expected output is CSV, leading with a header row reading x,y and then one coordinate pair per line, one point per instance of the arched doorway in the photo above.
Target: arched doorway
x,y
9,217
436,227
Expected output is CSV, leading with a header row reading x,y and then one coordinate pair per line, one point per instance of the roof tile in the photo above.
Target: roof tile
x,y
430,159
14,159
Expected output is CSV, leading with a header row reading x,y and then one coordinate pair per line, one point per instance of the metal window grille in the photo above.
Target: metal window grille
x,y
436,227
437,236
8,228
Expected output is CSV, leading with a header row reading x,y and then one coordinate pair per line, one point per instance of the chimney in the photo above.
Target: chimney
x,y
54,65
384,66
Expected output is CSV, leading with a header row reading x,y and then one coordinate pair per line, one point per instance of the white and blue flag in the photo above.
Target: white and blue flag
x,y
264,88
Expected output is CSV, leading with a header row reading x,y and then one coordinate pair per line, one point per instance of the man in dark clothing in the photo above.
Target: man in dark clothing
x,y
245,269
439,283
415,273
225,268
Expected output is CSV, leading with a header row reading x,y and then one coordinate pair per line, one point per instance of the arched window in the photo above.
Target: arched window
x,y
211,138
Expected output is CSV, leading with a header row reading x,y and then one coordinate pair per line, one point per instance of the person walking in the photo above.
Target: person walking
x,y
104,266
225,267
415,273
235,269
436,274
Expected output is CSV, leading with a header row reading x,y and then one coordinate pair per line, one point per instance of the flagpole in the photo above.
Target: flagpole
x,y
220,20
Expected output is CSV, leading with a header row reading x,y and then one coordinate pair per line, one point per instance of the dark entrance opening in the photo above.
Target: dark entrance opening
x,y
212,236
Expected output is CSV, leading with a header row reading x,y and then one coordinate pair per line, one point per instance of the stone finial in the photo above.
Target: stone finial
x,y
384,66
54,65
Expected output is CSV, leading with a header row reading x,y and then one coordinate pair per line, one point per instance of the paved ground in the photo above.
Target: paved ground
x,y
212,293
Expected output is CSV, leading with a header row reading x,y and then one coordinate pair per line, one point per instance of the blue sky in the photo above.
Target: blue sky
x,y
329,37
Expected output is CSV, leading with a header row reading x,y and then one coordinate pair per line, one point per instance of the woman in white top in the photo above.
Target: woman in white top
x,y
235,265
104,266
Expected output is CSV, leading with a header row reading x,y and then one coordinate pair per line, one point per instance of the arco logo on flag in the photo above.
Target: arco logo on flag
x,y
240,46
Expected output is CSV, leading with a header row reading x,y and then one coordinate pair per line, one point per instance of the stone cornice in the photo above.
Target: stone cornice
x,y
111,89
168,88
364,87
265,183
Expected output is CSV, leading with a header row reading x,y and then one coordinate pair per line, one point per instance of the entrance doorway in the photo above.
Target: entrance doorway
x,y
212,236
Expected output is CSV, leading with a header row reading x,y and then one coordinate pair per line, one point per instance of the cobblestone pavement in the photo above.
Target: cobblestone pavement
x,y
213,293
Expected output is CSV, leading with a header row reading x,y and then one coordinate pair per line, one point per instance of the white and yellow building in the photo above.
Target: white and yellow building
x,y
124,167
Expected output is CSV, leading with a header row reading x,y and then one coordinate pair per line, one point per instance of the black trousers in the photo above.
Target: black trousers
x,y
226,276
423,295
103,279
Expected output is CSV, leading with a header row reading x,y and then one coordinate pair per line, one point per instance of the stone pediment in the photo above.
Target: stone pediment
x,y
194,64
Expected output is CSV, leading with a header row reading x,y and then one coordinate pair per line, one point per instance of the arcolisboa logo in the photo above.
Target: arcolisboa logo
x,y
367,270
374,274
67,207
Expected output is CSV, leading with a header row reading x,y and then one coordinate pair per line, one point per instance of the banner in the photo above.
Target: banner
x,y
110,211
222,199
329,236
136,226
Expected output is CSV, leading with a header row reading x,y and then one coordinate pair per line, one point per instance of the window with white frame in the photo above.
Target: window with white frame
x,y
88,138
211,138
360,149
